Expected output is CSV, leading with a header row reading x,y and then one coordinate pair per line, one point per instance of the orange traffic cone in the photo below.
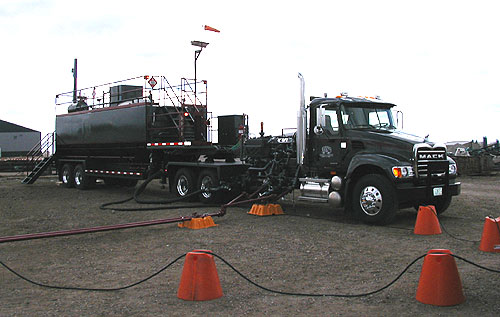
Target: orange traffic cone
x,y
490,241
198,223
427,222
440,282
199,280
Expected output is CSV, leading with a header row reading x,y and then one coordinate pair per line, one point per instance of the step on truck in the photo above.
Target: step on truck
x,y
346,151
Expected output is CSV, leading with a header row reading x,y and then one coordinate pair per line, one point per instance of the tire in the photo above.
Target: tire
x,y
81,179
184,182
67,178
441,204
374,199
208,179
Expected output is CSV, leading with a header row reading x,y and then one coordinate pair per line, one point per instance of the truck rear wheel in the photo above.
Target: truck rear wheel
x,y
184,182
374,199
208,179
67,176
81,179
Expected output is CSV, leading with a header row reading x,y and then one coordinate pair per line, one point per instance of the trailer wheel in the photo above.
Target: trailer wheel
x,y
208,179
67,176
184,182
374,199
81,179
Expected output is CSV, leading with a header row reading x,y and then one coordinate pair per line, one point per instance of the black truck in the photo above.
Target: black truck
x,y
346,151
351,154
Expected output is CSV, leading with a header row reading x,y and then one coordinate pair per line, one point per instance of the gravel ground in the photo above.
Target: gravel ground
x,y
311,249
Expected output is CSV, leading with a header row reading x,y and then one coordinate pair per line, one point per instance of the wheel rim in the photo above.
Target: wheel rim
x,y
78,178
183,185
65,176
370,201
206,182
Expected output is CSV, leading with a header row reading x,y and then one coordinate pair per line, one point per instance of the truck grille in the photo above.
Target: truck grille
x,y
430,160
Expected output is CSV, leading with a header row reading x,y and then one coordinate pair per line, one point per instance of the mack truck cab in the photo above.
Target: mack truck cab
x,y
355,156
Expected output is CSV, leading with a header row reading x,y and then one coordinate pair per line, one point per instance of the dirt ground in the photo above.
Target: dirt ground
x,y
311,249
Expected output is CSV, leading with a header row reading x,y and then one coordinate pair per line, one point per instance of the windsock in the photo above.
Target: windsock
x,y
209,28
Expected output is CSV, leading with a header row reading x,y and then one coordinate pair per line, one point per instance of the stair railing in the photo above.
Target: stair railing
x,y
44,148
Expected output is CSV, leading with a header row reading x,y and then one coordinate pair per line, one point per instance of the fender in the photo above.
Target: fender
x,y
381,161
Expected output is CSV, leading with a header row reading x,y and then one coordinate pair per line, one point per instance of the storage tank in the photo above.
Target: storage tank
x,y
93,132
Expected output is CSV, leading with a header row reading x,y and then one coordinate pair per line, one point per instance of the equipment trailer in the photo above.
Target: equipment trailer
x,y
349,153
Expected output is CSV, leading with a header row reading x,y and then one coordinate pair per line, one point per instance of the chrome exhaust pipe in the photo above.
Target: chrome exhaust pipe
x,y
301,123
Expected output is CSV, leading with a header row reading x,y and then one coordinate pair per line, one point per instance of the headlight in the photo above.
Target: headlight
x,y
402,171
452,169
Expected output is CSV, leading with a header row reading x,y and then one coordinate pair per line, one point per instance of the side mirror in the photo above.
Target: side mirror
x,y
399,120
320,116
320,120
318,130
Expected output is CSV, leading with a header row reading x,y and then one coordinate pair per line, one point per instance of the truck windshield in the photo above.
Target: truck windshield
x,y
367,118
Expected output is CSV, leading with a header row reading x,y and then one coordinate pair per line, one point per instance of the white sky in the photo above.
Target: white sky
x,y
439,61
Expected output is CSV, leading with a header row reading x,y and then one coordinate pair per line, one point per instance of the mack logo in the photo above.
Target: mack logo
x,y
433,156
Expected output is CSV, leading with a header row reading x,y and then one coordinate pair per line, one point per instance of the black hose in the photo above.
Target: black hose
x,y
141,189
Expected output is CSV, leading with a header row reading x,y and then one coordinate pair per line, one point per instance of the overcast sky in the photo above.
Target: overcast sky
x,y
439,61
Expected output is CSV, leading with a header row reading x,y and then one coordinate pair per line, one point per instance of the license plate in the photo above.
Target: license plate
x,y
437,191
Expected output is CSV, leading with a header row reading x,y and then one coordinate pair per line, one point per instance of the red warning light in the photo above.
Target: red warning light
x,y
186,114
146,77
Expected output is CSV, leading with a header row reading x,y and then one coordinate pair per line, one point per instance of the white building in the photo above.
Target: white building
x,y
16,140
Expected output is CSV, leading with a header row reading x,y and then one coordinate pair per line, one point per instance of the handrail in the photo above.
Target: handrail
x,y
185,102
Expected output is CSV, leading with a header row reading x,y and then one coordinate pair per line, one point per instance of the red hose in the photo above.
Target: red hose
x,y
41,235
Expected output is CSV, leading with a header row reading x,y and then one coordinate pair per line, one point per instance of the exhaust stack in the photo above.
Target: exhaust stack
x,y
74,71
301,123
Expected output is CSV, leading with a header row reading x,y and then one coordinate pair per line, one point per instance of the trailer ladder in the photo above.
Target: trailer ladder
x,y
39,158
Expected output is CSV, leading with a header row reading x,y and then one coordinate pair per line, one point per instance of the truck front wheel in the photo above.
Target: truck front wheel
x,y
184,182
442,204
374,199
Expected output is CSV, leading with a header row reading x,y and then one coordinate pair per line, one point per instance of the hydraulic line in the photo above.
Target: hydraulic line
x,y
345,295
139,191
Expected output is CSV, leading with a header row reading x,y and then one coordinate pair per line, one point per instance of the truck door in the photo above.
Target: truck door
x,y
326,145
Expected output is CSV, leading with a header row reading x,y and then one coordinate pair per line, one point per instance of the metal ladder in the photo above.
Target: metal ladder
x,y
40,156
